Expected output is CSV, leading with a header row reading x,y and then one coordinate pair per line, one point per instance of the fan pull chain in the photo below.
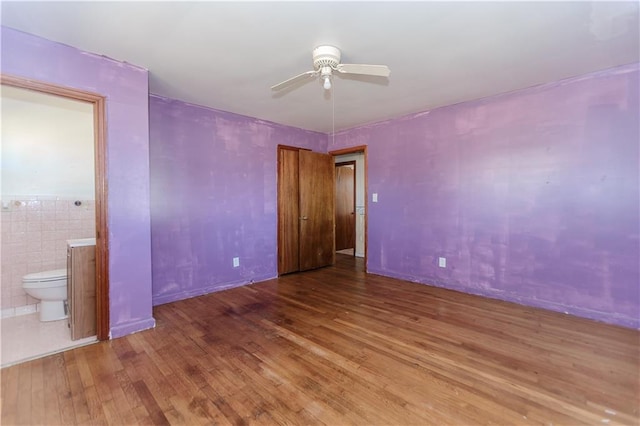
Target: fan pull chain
x,y
333,118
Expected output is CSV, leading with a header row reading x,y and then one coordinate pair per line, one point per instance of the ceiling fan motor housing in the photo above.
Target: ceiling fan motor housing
x,y
326,56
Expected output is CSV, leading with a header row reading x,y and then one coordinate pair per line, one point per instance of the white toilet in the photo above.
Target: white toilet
x,y
51,288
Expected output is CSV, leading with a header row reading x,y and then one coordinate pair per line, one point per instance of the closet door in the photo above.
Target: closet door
x,y
305,210
288,211
316,195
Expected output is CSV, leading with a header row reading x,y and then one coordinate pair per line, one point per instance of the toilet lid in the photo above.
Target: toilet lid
x,y
46,275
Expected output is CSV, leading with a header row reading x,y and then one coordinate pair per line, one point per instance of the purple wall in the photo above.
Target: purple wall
x,y
213,197
126,89
531,196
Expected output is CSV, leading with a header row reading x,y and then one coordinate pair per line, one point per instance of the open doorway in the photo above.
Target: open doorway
x,y
345,207
60,200
351,195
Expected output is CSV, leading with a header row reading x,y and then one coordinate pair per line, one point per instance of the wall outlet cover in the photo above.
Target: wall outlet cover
x,y
236,262
442,262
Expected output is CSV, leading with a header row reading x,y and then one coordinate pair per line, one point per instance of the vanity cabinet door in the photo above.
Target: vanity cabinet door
x,y
82,289
67,303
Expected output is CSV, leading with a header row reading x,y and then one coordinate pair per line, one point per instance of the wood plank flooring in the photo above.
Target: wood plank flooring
x,y
335,346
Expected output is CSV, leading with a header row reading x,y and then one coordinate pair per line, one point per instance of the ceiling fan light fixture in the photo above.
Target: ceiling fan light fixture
x,y
327,83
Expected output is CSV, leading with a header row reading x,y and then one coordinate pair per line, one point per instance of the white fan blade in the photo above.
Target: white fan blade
x,y
294,80
377,70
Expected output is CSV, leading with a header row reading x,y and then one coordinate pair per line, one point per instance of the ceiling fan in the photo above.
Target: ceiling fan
x,y
326,60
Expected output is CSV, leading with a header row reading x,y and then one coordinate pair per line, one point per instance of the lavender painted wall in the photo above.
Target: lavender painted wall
x,y
126,89
213,197
532,196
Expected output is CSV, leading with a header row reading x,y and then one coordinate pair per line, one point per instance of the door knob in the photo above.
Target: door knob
x,y
304,218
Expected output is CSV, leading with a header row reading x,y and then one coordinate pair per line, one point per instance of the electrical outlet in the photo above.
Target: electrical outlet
x,y
375,197
442,262
236,262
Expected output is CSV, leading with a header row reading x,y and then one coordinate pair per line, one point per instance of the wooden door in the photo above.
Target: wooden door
x,y
345,206
288,211
316,189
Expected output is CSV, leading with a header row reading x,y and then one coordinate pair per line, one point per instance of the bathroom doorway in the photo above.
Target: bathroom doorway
x,y
354,161
53,190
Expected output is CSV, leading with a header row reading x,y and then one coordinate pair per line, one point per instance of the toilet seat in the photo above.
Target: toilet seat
x,y
44,277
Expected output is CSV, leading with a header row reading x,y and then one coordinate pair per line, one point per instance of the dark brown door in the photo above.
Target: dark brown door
x,y
316,187
345,206
288,211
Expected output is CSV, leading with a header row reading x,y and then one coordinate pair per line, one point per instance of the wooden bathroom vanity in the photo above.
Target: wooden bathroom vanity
x,y
81,287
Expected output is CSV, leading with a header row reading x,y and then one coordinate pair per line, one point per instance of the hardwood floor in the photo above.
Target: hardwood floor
x,y
335,346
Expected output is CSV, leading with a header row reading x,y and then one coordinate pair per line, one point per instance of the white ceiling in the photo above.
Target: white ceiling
x,y
227,55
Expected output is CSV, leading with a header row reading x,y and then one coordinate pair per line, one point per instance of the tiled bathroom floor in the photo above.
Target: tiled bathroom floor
x,y
24,337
